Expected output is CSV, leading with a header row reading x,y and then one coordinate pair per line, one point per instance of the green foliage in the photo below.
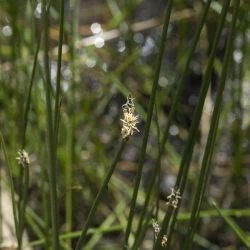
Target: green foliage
x,y
67,68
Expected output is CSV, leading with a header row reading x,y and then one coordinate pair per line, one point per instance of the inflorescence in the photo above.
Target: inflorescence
x,y
23,158
173,198
129,120
157,230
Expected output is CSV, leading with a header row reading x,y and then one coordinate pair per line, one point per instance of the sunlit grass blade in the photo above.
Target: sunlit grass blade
x,y
245,239
76,234
11,184
107,223
148,122
213,213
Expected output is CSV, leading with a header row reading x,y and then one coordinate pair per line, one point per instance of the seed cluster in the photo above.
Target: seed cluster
x,y
173,198
157,230
23,158
129,120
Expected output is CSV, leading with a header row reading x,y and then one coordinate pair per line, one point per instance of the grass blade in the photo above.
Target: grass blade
x,y
206,162
24,172
180,87
232,224
98,198
148,123
58,73
51,137
188,151
11,183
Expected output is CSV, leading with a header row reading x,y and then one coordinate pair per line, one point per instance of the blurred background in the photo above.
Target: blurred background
x,y
109,51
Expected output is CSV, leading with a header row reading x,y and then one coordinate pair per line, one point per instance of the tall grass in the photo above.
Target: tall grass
x,y
148,122
187,155
52,167
62,100
206,162
171,114
99,196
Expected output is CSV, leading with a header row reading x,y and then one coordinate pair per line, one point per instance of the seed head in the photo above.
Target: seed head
x,y
156,227
129,120
23,158
173,198
164,241
157,230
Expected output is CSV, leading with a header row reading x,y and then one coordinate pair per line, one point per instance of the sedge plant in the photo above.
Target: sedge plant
x,y
148,123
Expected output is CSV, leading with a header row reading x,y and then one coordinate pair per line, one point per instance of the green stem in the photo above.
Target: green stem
x,y
74,10
1,210
144,227
58,73
163,229
24,172
148,123
187,155
23,203
51,137
180,87
27,107
98,198
206,162
157,189
232,225
238,110
68,180
114,228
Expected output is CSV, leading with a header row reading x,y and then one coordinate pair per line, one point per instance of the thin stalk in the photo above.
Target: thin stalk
x,y
206,162
76,234
148,123
180,87
145,227
58,73
196,215
72,49
71,138
232,225
35,228
23,202
51,137
9,171
27,106
238,110
187,155
24,172
211,213
68,180
157,189
46,206
1,205
99,196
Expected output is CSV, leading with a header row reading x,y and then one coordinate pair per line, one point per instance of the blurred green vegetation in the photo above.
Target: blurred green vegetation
x,y
109,50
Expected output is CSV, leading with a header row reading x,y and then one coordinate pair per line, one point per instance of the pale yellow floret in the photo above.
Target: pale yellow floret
x,y
23,158
173,198
129,120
